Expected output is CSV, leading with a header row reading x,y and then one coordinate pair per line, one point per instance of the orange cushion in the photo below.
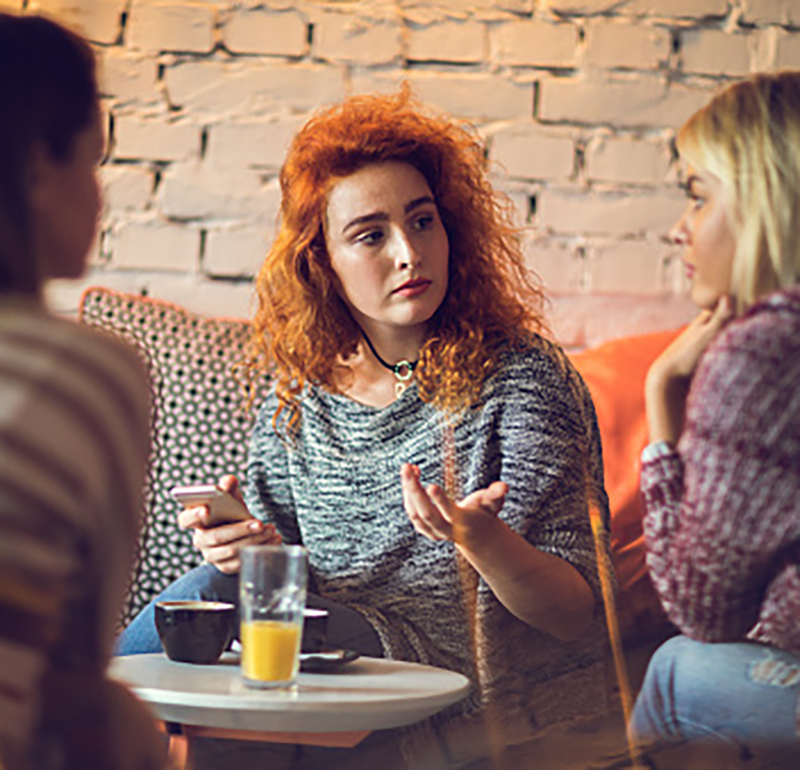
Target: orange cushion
x,y
615,373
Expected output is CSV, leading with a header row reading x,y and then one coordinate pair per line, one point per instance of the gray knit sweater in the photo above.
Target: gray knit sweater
x,y
336,488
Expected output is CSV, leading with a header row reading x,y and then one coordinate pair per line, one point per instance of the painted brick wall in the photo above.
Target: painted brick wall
x,y
577,100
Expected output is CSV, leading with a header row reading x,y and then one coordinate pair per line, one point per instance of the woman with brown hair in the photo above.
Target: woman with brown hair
x,y
433,451
74,429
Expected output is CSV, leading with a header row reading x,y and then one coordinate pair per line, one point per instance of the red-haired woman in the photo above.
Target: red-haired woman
x,y
420,430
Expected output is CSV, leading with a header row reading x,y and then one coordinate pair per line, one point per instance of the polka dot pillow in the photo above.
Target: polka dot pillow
x,y
200,421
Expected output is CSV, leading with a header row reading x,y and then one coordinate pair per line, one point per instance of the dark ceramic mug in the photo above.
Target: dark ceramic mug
x,y
315,630
195,631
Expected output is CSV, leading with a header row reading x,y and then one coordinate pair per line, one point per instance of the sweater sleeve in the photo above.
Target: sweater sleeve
x,y
268,492
74,438
722,506
551,459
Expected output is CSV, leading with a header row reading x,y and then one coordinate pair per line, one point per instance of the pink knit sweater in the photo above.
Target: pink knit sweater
x,y
723,509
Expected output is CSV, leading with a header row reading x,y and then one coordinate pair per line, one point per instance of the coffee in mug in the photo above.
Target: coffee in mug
x,y
195,631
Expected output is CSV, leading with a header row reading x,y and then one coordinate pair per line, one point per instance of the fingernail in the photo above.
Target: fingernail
x,y
255,526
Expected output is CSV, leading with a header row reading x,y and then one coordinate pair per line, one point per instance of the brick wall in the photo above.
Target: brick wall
x,y
578,101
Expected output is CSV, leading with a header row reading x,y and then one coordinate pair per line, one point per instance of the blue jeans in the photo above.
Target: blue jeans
x,y
742,696
347,628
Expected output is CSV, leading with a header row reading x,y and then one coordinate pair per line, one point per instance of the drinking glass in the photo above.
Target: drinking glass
x,y
272,585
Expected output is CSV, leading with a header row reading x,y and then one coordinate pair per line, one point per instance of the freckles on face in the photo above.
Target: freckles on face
x,y
387,245
706,233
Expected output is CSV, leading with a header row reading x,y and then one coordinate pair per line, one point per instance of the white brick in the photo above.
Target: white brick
x,y
580,7
126,187
254,143
63,296
251,88
520,202
535,44
203,295
263,31
785,12
96,255
618,214
197,293
521,7
456,6
585,320
628,267
640,102
527,152
344,38
199,191
675,273
154,138
476,96
714,52
128,77
462,42
626,161
682,9
236,252
559,267
183,26
155,246
787,52
617,45
98,20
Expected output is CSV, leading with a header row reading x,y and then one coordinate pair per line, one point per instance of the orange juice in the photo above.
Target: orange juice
x,y
270,650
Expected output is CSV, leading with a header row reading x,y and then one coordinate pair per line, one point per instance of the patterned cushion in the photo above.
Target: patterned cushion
x,y
200,421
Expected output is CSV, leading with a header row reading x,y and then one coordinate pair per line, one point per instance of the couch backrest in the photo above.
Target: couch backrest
x,y
200,427
201,432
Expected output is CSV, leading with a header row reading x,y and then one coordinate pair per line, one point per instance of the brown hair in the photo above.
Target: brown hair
x,y
302,328
48,94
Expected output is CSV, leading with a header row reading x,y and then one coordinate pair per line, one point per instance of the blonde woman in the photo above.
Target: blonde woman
x,y
721,478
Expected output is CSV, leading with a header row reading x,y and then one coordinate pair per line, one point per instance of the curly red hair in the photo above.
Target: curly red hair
x,y
303,330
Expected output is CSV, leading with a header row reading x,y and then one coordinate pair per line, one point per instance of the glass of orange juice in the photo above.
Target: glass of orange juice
x,y
272,586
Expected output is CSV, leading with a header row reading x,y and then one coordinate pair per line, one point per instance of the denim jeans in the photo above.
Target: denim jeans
x,y
347,628
743,695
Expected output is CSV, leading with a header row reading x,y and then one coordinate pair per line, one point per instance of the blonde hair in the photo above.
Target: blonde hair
x,y
748,136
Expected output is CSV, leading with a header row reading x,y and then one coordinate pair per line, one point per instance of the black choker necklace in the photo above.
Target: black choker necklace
x,y
403,370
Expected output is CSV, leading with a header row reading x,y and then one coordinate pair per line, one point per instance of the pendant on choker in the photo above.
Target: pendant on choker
x,y
403,370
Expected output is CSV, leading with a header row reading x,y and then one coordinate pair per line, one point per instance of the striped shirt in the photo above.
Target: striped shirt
x,y
337,490
74,441
723,509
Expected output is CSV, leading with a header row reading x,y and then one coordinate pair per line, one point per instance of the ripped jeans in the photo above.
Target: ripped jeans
x,y
742,694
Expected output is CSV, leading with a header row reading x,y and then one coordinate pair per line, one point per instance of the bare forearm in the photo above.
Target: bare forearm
x,y
540,589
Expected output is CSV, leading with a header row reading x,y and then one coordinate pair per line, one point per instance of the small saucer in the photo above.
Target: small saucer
x,y
326,661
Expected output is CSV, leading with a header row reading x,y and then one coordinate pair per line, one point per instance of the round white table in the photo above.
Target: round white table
x,y
367,694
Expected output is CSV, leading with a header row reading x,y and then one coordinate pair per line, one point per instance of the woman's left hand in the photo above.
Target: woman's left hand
x,y
436,516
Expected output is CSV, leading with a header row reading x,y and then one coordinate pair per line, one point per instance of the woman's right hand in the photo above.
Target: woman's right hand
x,y
220,545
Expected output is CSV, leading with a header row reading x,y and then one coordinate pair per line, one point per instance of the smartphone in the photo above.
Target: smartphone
x,y
223,506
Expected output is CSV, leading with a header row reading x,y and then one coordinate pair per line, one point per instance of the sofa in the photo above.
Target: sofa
x,y
201,425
